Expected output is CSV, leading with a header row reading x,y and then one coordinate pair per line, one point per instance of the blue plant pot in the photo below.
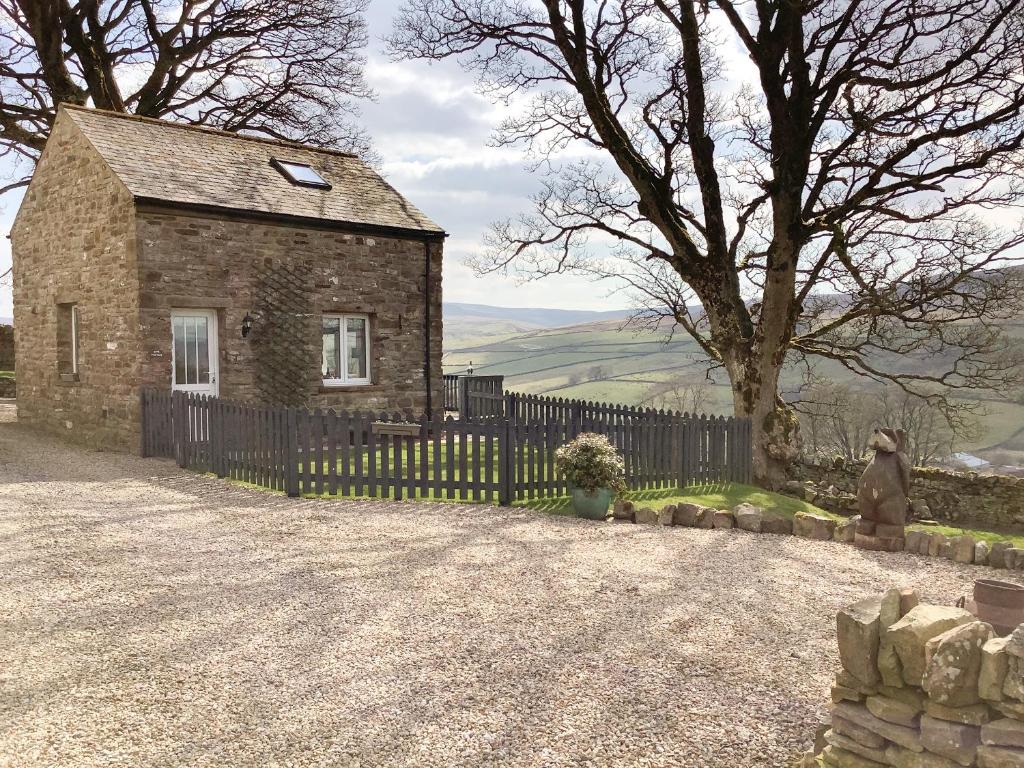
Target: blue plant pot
x,y
593,506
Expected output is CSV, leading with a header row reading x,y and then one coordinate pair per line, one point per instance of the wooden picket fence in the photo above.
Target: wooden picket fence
x,y
504,457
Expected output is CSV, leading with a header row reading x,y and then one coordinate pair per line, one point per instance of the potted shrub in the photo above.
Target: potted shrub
x,y
595,473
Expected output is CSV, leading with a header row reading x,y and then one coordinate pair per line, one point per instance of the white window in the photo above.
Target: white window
x,y
67,340
346,350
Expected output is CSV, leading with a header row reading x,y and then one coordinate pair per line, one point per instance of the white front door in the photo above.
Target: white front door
x,y
194,351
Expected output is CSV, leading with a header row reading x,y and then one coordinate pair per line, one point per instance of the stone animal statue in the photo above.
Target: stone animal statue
x,y
883,491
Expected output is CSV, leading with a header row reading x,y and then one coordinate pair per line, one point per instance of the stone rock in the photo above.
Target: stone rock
x,y
667,515
997,554
846,680
846,529
994,665
908,636
893,711
976,714
1005,732
912,541
909,599
1014,709
792,488
840,741
645,516
1014,559
723,519
853,731
953,663
904,758
1015,642
748,517
858,714
842,693
623,509
1000,757
706,517
859,627
926,543
912,697
963,550
833,757
955,741
935,544
1013,683
981,550
810,526
687,514
777,524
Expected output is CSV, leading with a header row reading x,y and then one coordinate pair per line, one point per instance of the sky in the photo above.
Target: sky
x,y
431,130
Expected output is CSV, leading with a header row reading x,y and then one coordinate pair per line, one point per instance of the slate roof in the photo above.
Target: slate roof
x,y
203,167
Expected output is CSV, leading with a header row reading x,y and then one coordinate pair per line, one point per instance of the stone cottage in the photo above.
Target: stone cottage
x,y
150,254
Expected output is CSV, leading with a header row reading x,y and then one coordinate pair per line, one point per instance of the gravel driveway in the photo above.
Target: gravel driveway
x,y
152,617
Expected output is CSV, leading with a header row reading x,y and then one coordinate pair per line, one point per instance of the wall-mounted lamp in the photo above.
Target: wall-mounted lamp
x,y
246,325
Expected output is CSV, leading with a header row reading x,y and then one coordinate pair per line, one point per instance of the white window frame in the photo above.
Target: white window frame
x,y
74,339
346,380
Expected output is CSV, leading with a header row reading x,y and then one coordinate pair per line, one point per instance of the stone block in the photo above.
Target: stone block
x,y
645,516
898,757
976,714
858,629
723,519
953,664
811,526
1014,709
666,515
912,541
893,711
963,550
981,551
935,544
908,636
623,509
834,757
858,714
687,514
846,530
1000,757
839,741
926,543
997,554
842,693
706,518
1004,732
777,524
859,734
879,543
748,517
994,665
955,741
1013,683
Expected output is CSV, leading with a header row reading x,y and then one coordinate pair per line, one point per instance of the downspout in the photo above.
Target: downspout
x,y
427,328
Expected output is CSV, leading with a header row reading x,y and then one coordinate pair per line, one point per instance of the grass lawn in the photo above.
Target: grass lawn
x,y
719,496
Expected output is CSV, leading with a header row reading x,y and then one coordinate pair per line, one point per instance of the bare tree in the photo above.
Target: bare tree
x,y
683,396
832,204
838,419
283,68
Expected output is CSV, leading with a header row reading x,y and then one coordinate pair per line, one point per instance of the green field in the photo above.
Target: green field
x,y
602,361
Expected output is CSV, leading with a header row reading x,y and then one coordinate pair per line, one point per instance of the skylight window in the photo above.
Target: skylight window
x,y
300,173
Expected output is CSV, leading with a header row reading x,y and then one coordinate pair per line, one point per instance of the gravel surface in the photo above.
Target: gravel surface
x,y
152,617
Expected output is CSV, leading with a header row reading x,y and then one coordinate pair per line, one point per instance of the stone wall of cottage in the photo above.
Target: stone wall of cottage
x,y
73,242
286,278
924,686
965,498
6,348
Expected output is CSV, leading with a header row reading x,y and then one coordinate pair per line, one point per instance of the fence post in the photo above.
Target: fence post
x,y
291,454
181,427
464,413
504,455
217,453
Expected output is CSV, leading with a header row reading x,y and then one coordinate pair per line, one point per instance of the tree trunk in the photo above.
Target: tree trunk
x,y
775,430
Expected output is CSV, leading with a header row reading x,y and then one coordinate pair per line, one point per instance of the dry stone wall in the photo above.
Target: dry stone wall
x,y
923,686
964,498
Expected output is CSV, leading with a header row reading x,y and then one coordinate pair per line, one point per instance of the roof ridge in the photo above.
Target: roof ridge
x,y
205,129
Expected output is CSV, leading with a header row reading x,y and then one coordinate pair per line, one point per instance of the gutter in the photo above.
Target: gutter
x,y
355,227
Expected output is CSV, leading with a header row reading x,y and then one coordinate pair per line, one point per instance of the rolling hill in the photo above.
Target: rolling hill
x,y
594,357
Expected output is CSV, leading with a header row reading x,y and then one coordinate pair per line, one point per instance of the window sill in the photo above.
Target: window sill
x,y
67,379
325,388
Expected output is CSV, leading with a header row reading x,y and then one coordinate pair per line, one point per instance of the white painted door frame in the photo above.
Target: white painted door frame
x,y
193,365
